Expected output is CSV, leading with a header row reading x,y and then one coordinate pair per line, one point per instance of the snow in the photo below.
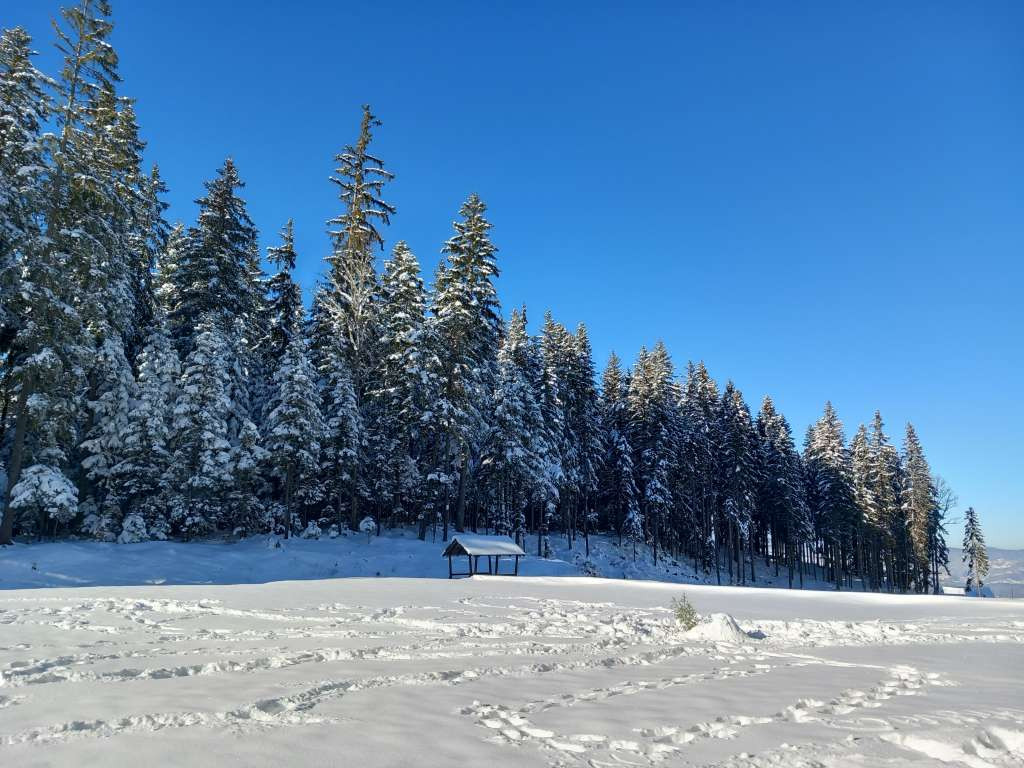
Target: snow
x,y
549,670
476,544
719,628
541,671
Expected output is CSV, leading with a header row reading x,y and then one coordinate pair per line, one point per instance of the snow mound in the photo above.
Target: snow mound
x,y
719,628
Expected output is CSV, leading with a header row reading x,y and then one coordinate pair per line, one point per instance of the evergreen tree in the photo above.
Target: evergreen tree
x,y
975,554
618,491
201,466
740,479
212,271
698,457
830,493
24,107
348,304
399,389
918,505
651,401
781,502
294,430
885,483
103,447
468,325
284,304
139,478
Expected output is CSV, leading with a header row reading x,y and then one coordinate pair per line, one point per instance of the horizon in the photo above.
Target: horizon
x,y
865,165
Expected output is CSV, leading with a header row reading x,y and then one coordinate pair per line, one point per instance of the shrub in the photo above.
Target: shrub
x,y
685,613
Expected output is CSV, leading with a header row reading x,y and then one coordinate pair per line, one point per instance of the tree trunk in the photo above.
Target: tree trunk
x,y
460,504
17,457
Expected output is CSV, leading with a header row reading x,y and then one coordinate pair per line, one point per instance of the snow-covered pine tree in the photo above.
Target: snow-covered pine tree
x,y
166,282
509,461
830,493
347,304
918,503
975,554
739,460
886,484
698,456
102,449
212,266
66,272
285,312
617,486
244,509
343,444
294,430
468,327
586,427
399,389
556,405
651,401
24,107
44,498
870,530
781,494
200,473
28,268
146,441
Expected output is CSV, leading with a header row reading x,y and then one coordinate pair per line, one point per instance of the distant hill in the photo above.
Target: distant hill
x,y
1006,571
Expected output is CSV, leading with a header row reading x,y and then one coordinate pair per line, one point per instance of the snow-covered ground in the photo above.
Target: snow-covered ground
x,y
541,671
257,560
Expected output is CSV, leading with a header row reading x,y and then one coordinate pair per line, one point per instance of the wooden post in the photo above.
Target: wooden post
x,y
449,566
470,565
517,565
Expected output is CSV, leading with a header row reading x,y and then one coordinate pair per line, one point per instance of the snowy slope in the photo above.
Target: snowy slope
x,y
256,560
550,672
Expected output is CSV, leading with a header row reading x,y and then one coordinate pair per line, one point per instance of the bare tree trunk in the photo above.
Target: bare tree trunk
x,y
17,457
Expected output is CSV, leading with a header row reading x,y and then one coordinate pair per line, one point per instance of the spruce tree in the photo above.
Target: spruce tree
x,y
294,431
284,302
975,554
103,447
740,479
830,492
698,455
140,477
468,325
918,503
886,483
348,303
212,272
781,499
24,107
201,466
399,388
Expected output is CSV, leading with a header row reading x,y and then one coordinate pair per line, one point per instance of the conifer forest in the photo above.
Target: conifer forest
x,y
169,380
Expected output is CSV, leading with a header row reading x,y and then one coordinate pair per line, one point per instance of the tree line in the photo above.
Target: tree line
x,y
157,382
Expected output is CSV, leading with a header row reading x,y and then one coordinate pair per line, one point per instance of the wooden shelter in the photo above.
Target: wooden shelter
x,y
474,546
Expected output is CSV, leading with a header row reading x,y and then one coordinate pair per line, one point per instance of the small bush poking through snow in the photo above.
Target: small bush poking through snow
x,y
312,531
368,526
685,613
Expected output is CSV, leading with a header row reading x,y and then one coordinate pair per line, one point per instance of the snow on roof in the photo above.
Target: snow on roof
x,y
476,544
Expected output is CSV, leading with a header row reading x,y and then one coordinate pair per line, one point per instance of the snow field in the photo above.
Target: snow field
x,y
518,672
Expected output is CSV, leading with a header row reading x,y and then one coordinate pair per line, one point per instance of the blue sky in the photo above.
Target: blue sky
x,y
820,200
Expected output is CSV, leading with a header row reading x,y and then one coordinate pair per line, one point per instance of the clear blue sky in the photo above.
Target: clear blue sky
x,y
821,200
